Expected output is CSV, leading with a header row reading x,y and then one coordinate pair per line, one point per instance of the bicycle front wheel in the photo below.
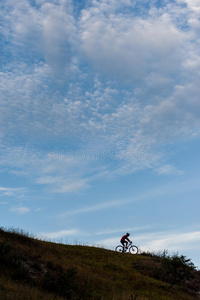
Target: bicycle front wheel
x,y
119,248
133,249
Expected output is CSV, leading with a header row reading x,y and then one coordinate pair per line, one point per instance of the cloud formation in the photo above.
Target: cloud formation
x,y
114,71
19,210
129,47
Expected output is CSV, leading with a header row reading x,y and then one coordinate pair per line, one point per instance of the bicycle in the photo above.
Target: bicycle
x,y
132,249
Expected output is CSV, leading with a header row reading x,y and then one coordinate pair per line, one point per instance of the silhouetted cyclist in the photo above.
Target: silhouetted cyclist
x,y
125,240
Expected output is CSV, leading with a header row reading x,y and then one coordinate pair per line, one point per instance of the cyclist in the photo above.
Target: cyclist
x,y
124,240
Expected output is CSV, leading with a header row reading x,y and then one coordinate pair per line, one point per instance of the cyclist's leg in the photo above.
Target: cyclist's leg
x,y
124,245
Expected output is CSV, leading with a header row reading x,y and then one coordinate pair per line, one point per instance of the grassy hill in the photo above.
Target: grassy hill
x,y
34,269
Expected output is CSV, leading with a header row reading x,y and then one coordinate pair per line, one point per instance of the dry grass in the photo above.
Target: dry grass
x,y
34,269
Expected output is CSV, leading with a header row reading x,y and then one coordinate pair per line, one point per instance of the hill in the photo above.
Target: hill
x,y
32,269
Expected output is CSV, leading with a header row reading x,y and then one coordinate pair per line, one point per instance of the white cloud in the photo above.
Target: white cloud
x,y
125,47
58,171
45,31
168,170
192,4
159,241
57,28
17,192
60,185
4,189
20,210
59,234
169,241
93,208
123,230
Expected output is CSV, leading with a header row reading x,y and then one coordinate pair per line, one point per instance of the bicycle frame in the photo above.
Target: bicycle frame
x,y
125,248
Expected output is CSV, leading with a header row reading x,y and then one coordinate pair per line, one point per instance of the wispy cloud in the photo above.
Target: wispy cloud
x,y
92,208
59,234
166,189
20,210
6,191
159,241
122,230
168,170
172,241
61,185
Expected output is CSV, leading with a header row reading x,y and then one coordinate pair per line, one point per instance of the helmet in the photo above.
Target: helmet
x,y
128,234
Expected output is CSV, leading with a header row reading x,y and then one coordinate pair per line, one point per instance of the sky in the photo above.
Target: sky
x,y
100,122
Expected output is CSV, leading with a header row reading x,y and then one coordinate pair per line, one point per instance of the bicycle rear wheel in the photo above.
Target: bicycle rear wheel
x,y
119,248
133,249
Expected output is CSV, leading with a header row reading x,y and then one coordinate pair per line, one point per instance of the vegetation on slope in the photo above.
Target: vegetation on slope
x,y
34,269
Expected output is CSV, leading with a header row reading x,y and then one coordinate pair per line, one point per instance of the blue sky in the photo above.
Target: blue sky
x,y
99,116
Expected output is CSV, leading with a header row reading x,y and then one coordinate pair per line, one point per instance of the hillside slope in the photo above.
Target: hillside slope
x,y
34,269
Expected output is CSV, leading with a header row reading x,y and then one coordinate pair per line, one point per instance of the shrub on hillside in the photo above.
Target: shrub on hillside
x,y
174,269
